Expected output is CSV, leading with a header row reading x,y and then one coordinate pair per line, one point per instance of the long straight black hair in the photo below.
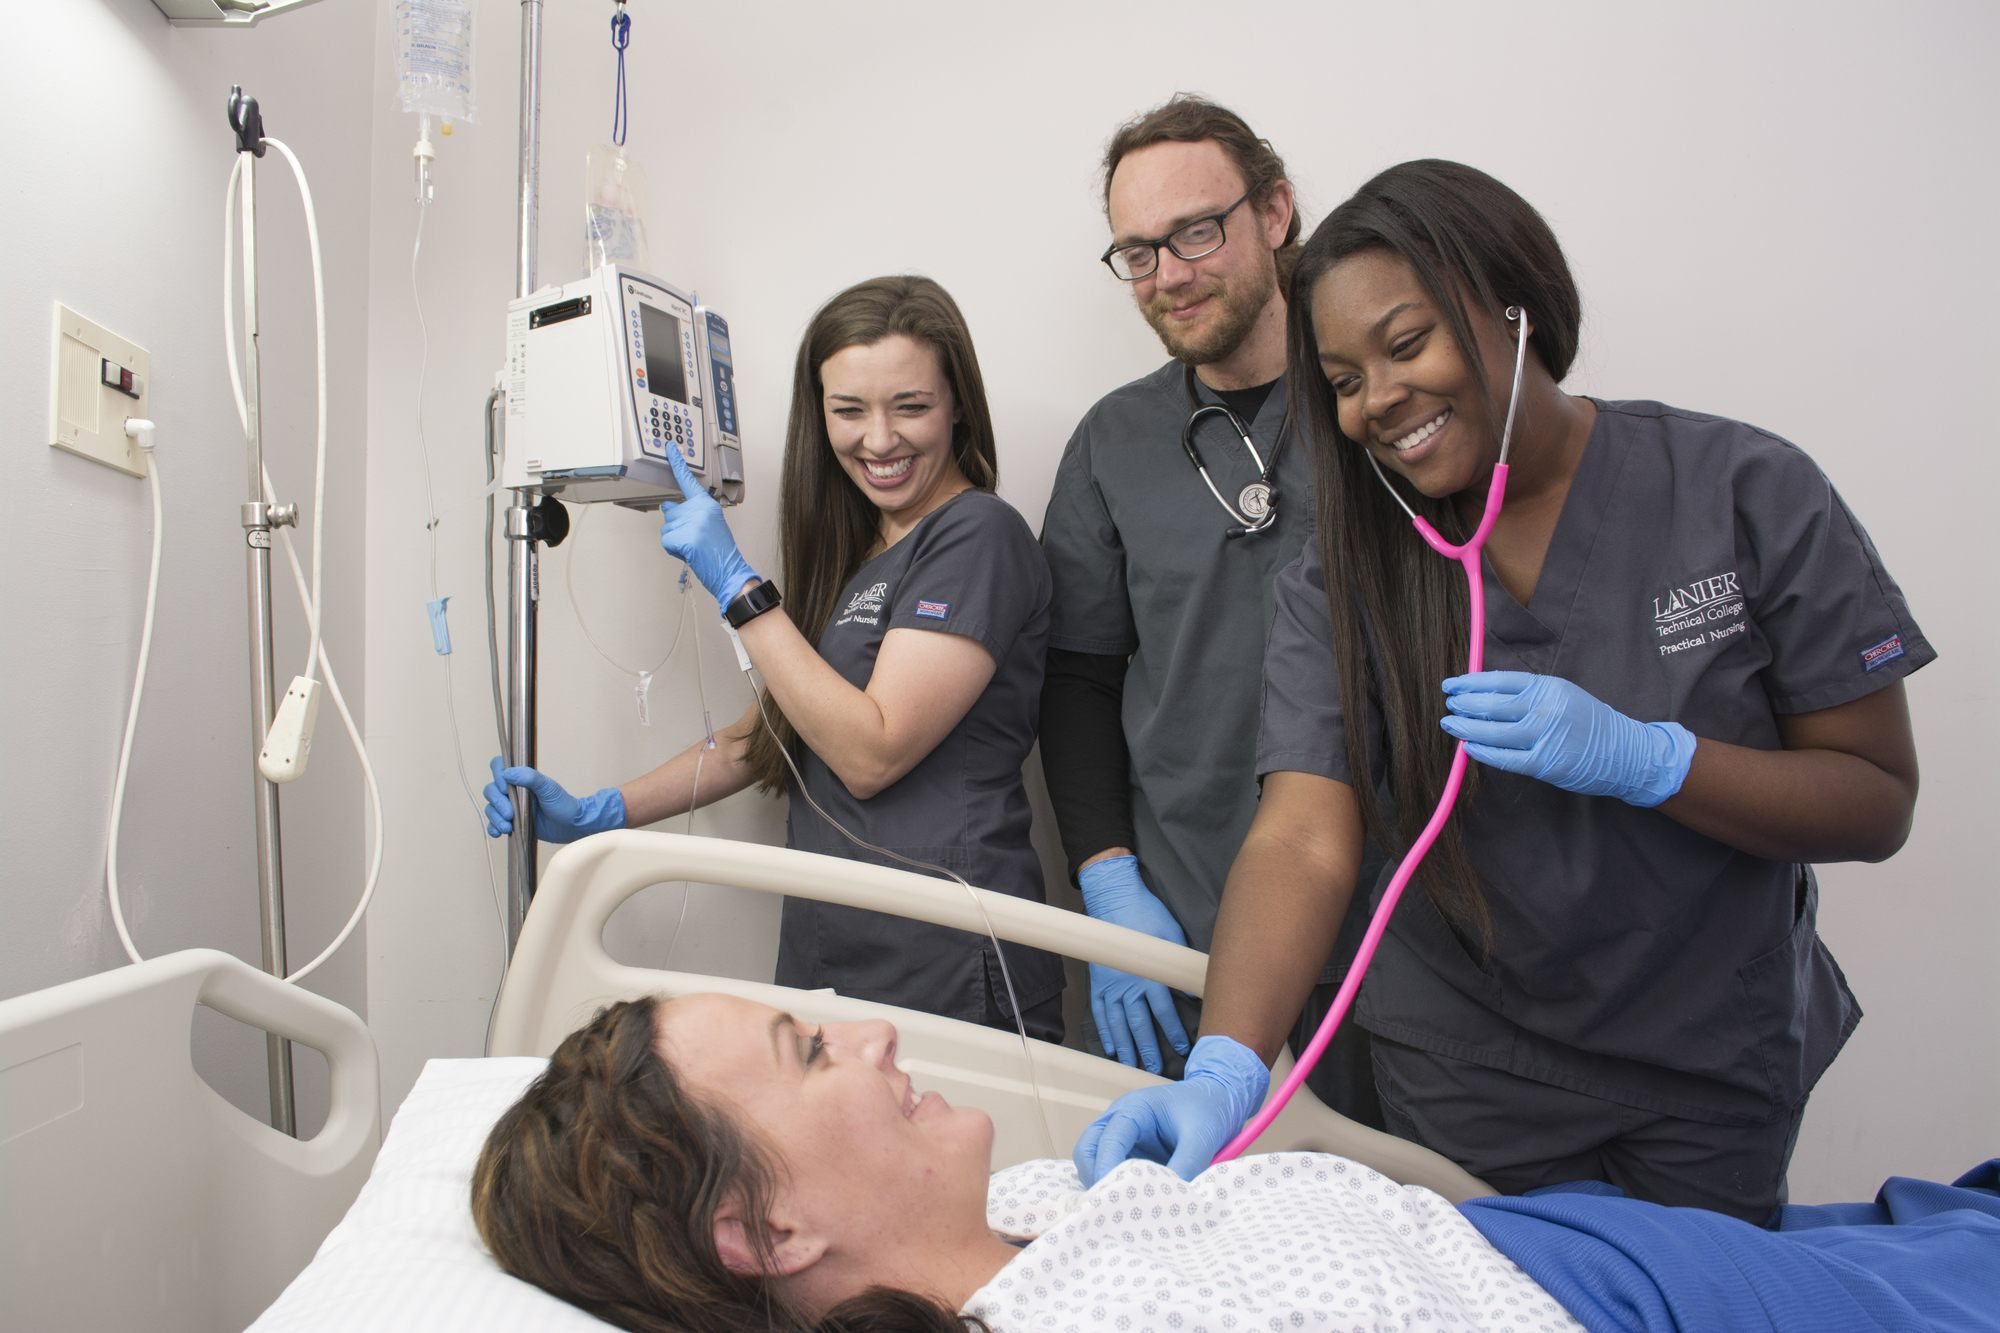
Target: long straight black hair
x,y
1399,611
826,526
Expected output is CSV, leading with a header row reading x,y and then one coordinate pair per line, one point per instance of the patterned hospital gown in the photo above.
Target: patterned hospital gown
x,y
1281,1241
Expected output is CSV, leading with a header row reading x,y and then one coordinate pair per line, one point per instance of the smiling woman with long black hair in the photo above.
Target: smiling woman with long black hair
x,y
1609,969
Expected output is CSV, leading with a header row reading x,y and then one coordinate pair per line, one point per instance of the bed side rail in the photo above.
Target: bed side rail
x,y
561,973
116,1158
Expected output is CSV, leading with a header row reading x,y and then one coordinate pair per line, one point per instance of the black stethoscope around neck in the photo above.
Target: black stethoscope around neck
x,y
1256,507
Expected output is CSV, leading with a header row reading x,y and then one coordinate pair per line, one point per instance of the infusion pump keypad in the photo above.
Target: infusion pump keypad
x,y
666,422
662,421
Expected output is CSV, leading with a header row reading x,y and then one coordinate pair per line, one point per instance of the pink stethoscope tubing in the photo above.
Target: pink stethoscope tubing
x,y
1468,555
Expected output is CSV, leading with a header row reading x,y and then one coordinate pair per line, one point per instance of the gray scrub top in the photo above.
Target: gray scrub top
x,y
1703,572
1142,567
969,567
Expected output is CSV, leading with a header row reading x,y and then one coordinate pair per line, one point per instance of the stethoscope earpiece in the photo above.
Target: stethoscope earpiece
x,y
1517,316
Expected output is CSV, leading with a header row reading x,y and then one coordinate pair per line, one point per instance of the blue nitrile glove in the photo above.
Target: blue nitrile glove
x,y
1183,1124
1545,727
695,531
559,817
1125,1006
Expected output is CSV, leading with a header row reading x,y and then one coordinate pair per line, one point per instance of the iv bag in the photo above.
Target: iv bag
x,y
434,58
614,218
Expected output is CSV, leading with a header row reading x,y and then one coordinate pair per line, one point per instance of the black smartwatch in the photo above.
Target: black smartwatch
x,y
752,602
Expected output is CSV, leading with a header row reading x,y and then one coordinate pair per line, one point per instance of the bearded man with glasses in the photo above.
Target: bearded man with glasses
x,y
1162,595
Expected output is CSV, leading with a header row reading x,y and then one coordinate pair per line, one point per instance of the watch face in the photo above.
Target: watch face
x,y
751,603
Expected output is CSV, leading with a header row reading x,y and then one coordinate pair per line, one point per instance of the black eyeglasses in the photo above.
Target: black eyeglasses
x,y
1130,261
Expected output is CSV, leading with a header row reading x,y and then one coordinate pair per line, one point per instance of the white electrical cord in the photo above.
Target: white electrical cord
x,y
319,336
142,431
319,431
309,598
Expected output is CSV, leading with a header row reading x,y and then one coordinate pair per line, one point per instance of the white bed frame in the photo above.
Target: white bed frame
x,y
134,1196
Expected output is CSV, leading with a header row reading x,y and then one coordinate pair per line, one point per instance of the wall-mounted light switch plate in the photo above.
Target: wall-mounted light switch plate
x,y
97,380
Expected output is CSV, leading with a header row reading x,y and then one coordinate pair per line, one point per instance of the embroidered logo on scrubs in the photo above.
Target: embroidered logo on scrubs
x,y
934,610
1882,653
1704,611
866,605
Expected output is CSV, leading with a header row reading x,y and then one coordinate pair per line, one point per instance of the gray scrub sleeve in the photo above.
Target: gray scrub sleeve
x,y
1087,560
978,573
1838,626
1301,727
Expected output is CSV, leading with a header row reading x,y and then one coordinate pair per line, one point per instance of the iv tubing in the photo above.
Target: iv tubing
x,y
576,609
432,520
1006,976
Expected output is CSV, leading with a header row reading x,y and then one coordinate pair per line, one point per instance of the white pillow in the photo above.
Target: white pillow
x,y
407,1255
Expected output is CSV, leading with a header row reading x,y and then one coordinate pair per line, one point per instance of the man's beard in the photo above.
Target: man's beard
x,y
1218,339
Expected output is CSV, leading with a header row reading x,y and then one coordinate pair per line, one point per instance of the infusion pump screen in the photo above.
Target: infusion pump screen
x,y
665,374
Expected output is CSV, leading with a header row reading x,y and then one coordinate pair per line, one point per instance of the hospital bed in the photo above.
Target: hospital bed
x,y
134,1196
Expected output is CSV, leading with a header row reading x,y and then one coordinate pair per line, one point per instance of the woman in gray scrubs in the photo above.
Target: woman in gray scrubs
x,y
903,672
1693,690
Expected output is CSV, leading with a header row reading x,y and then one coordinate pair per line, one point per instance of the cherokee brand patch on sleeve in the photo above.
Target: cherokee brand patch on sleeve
x,y
1882,653
942,610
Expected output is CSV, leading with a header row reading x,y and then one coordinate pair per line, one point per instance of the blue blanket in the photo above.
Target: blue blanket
x,y
1922,1256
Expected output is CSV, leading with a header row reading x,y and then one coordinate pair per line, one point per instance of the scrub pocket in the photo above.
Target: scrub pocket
x,y
1439,942
1796,1005
1041,1004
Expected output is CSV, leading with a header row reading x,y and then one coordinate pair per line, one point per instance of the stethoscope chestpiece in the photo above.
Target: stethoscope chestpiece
x,y
1259,503
1256,507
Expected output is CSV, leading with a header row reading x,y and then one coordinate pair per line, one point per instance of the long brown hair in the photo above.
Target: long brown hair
x,y
826,526
602,1184
1470,241
1191,118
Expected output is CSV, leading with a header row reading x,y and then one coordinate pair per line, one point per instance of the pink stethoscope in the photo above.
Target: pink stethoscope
x,y
1468,555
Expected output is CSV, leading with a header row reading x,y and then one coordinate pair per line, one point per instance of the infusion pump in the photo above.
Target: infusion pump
x,y
606,374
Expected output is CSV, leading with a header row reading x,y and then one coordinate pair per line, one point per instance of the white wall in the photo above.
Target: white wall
x,y
1776,212
115,159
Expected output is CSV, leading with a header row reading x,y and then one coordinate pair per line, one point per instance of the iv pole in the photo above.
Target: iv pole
x,y
258,518
523,526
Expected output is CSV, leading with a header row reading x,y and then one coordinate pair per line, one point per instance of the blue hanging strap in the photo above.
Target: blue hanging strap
x,y
621,36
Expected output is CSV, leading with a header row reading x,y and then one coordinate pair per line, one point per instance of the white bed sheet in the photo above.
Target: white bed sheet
x,y
407,1255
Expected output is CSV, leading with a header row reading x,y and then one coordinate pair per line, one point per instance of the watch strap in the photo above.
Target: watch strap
x,y
752,602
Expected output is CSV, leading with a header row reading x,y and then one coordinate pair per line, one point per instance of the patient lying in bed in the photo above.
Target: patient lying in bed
x,y
710,1163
